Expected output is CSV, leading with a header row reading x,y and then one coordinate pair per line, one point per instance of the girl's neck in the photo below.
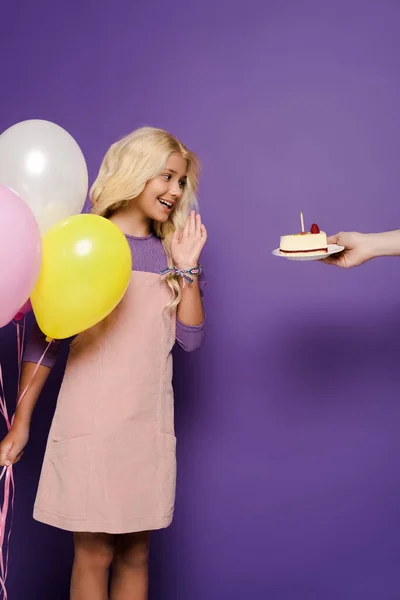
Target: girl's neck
x,y
132,224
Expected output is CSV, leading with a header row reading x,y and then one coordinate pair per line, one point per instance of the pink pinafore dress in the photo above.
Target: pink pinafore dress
x,y
110,461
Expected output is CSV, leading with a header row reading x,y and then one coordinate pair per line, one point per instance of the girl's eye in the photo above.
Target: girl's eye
x,y
182,183
167,176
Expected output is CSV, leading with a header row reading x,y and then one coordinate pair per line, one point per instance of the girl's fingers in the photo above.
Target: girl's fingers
x,y
198,226
5,449
192,223
203,237
186,228
18,458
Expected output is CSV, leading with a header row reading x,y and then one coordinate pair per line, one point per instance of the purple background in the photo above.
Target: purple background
x,y
288,417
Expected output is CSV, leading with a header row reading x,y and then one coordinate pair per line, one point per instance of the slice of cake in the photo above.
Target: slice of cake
x,y
299,244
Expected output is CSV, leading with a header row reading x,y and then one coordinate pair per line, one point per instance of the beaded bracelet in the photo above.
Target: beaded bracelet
x,y
187,275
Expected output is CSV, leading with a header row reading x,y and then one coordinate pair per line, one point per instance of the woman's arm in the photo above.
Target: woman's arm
x,y
361,247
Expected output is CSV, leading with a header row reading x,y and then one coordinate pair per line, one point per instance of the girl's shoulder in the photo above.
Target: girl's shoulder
x,y
148,253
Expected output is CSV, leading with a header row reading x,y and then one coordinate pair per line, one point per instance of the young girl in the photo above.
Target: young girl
x,y
109,469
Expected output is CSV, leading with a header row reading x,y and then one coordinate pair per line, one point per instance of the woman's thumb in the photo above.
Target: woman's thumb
x,y
333,239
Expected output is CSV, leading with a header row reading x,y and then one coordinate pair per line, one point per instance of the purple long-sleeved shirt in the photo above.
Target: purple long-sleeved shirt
x,y
147,255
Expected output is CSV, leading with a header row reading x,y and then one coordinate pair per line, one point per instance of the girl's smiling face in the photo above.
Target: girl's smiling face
x,y
164,191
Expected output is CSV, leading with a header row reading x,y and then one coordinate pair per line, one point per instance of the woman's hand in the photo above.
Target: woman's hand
x,y
186,248
358,249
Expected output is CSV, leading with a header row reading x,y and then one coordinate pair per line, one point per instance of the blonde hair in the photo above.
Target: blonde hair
x,y
127,167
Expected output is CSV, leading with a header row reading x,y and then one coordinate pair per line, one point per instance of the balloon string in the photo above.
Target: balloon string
x,y
19,357
3,405
7,472
20,348
22,396
9,482
12,517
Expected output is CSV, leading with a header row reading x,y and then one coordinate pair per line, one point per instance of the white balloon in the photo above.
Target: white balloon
x,y
44,165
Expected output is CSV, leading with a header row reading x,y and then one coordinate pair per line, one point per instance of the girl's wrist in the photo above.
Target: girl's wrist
x,y
21,420
188,275
186,266
185,283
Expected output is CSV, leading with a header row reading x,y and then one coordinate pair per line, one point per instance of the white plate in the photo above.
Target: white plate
x,y
332,249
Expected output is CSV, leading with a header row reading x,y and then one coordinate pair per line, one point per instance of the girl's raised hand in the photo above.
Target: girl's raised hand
x,y
187,247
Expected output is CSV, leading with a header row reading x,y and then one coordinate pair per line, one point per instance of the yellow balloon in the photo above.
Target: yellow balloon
x,y
86,269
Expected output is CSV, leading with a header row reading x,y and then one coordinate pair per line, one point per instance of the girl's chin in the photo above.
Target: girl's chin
x,y
161,219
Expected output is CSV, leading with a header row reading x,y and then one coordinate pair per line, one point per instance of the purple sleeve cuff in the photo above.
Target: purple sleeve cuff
x,y
189,337
202,284
37,344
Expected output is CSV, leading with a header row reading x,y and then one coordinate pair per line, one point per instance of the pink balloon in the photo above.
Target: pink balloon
x,y
24,310
20,253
